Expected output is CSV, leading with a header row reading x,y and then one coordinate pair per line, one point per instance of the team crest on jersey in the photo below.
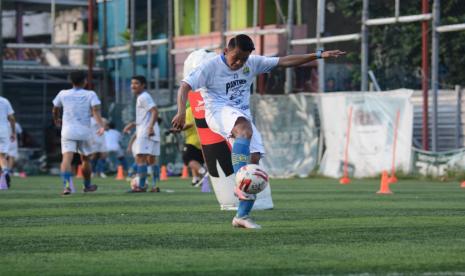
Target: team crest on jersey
x,y
246,70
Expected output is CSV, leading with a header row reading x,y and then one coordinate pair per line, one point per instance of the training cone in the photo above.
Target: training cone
x,y
3,185
79,172
384,187
163,173
205,185
185,172
392,179
345,180
463,184
120,173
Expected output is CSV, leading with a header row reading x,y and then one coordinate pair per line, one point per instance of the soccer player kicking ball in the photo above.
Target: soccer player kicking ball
x,y
147,142
7,136
76,134
227,79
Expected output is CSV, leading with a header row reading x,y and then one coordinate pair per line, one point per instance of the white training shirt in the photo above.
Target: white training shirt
x,y
143,105
5,111
225,87
112,140
76,104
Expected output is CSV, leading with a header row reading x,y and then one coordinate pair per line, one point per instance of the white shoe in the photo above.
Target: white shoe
x,y
103,175
245,222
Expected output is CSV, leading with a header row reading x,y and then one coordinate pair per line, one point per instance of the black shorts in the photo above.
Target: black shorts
x,y
189,153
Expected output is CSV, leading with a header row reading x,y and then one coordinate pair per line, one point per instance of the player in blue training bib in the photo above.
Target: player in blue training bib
x,y
226,80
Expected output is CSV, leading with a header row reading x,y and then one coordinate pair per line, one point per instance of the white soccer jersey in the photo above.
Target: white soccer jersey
x,y
112,140
143,104
225,87
76,104
5,111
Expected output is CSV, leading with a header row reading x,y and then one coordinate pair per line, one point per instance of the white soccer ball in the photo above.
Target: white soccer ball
x,y
135,183
251,179
195,59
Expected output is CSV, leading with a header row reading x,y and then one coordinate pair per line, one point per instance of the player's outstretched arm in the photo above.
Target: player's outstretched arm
x,y
180,118
98,118
296,60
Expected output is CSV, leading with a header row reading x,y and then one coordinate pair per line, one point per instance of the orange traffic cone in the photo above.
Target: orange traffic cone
x,y
185,172
392,179
163,173
79,172
120,173
345,180
384,187
463,184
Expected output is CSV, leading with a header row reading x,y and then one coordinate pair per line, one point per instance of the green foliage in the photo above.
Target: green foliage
x,y
395,50
318,227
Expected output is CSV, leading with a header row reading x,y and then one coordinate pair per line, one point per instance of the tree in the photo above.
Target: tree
x,y
395,50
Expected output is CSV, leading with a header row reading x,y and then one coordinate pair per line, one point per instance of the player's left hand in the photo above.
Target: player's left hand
x,y
179,120
150,131
332,53
100,131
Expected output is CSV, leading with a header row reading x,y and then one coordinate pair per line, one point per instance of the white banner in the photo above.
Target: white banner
x,y
375,118
289,133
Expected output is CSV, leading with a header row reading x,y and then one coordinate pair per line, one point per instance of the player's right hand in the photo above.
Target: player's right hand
x,y
178,121
127,128
58,122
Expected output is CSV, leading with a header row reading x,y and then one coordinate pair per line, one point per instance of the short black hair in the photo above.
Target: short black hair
x,y
243,42
140,79
77,77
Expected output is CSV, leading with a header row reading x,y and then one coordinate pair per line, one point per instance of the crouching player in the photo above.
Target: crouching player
x,y
78,105
227,79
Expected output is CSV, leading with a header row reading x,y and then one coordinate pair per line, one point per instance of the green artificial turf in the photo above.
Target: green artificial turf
x,y
317,227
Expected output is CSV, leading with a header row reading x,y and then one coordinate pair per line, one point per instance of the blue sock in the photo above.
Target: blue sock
x,y
133,169
240,157
100,166
240,153
142,172
6,171
122,162
87,183
245,206
66,176
155,175
93,163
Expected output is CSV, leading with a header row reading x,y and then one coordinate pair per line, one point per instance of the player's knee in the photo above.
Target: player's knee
x,y
255,157
243,129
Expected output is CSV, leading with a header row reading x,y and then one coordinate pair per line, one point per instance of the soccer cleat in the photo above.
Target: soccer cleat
x,y
155,190
91,188
66,191
138,190
8,180
103,175
245,222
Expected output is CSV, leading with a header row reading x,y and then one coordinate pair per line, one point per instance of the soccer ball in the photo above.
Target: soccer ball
x,y
135,183
251,179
